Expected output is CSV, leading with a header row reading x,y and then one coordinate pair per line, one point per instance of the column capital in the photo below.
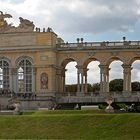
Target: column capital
x,y
58,72
104,68
80,68
63,72
126,66
85,71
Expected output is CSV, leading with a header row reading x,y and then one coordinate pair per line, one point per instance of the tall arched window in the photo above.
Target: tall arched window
x,y
4,74
25,74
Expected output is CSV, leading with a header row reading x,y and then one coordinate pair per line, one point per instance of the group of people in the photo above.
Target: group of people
x,y
6,92
9,93
27,95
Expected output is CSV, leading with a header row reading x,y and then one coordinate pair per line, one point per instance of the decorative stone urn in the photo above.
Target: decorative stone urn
x,y
109,108
17,110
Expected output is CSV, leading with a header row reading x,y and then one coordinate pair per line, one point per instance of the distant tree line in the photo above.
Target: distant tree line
x,y
114,85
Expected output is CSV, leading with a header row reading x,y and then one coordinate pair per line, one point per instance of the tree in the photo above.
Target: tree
x,y
89,88
71,88
135,86
116,85
96,87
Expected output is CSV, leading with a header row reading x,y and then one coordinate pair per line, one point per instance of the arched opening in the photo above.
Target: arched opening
x,y
135,76
116,76
69,76
93,76
4,75
24,76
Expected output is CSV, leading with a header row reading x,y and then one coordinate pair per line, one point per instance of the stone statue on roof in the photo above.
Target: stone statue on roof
x,y
24,26
3,22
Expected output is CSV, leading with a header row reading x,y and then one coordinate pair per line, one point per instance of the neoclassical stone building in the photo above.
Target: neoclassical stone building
x,y
34,62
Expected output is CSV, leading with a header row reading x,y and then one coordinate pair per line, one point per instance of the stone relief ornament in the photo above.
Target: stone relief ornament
x,y
44,81
24,26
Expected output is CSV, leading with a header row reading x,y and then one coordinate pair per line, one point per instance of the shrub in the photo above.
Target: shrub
x,y
102,106
121,105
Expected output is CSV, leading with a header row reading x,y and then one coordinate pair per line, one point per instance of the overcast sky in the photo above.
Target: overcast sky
x,y
94,20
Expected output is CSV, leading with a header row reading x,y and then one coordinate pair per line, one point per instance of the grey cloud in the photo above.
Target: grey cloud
x,y
122,17
136,65
83,16
13,1
92,16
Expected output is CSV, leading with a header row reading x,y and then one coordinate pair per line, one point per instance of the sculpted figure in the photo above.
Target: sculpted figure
x,y
44,81
3,23
26,24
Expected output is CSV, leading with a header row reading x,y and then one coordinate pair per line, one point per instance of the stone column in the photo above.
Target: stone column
x,y
107,72
78,81
127,78
59,80
14,83
82,81
85,82
104,78
101,79
34,80
10,79
80,86
63,79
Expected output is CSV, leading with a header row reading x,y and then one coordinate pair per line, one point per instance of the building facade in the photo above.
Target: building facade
x,y
35,62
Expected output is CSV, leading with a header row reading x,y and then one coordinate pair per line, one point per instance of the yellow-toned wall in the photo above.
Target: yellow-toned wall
x,y
47,39
41,48
104,57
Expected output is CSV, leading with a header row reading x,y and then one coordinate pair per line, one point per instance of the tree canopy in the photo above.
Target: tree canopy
x,y
116,85
135,86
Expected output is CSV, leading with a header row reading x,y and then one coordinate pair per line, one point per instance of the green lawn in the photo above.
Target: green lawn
x,y
74,125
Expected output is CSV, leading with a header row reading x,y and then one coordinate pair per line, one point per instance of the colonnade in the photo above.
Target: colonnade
x,y
104,78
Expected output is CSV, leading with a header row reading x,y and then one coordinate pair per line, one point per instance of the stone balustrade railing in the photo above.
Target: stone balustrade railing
x,y
97,97
97,94
100,45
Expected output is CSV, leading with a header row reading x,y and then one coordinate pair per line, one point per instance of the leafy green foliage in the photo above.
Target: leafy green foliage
x,y
116,85
96,87
71,88
135,86
102,106
91,88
